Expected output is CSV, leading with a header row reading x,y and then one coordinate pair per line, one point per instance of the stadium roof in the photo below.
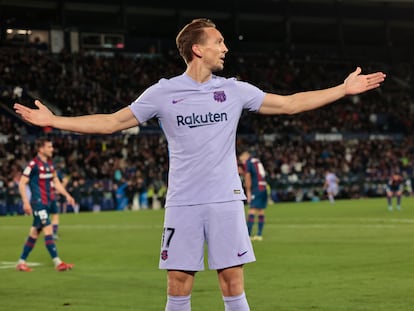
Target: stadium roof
x,y
291,22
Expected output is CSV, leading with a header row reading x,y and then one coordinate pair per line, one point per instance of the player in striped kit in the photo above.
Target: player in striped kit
x,y
41,178
199,113
394,188
255,186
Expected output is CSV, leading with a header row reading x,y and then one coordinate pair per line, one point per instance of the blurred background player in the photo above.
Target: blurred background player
x,y
331,185
62,204
256,192
394,187
41,178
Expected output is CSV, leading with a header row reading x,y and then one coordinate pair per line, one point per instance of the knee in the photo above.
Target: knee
x,y
231,281
232,287
180,283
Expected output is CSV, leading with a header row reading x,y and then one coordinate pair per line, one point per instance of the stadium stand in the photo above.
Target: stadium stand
x,y
360,138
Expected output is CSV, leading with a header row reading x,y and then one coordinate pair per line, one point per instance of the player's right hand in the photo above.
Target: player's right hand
x,y
27,209
41,116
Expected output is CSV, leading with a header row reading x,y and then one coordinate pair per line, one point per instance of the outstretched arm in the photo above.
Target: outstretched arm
x,y
88,124
355,83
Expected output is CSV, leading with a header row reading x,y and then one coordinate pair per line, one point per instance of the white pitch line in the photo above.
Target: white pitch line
x,y
333,226
12,264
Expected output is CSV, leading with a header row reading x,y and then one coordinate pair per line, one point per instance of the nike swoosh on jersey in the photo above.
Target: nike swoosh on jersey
x,y
241,254
175,101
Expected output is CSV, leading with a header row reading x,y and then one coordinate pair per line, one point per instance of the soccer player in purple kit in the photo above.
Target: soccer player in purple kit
x,y
331,185
255,186
41,177
199,113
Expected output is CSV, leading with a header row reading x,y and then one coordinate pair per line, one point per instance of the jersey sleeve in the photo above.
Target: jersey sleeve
x,y
251,96
249,166
29,168
144,107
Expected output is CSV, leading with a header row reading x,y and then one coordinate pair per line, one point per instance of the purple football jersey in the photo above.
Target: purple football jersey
x,y
200,122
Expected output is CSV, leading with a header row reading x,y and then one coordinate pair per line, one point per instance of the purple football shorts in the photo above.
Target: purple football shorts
x,y
219,227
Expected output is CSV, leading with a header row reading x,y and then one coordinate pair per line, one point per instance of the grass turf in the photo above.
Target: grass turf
x,y
353,255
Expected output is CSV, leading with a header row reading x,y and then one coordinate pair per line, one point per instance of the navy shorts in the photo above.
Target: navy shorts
x,y
41,215
259,200
53,208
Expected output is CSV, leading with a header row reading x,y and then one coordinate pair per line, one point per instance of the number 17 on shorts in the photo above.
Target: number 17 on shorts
x,y
167,236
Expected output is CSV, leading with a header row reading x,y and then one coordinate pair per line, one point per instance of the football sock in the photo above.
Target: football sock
x,y
389,201
57,261
178,303
331,198
250,222
398,200
236,303
51,246
55,228
260,224
27,248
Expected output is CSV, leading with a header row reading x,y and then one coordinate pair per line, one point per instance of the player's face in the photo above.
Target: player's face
x,y
213,49
47,150
244,157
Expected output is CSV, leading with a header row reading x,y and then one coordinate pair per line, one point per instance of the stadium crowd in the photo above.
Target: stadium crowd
x,y
361,138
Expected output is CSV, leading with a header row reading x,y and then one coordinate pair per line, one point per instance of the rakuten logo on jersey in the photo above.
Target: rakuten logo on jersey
x,y
197,120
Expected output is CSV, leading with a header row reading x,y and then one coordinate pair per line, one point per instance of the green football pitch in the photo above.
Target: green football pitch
x,y
353,255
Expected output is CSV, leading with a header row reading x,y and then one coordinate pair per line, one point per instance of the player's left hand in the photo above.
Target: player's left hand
x,y
70,200
357,83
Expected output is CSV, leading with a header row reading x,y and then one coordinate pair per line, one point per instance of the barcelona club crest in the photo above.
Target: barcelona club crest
x,y
219,96
164,255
